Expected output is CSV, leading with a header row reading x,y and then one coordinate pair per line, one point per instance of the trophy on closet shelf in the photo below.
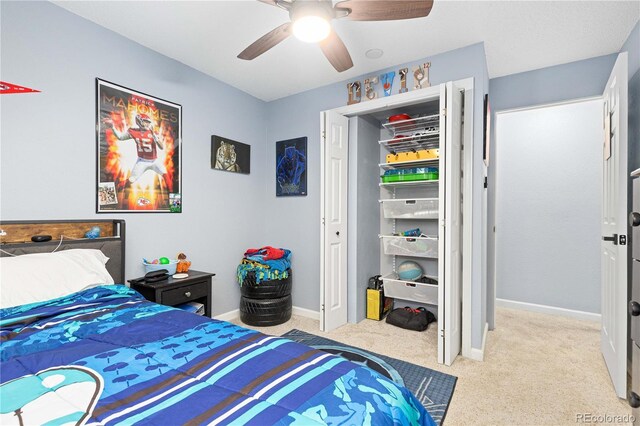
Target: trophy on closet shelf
x,y
355,93
403,80
369,91
421,76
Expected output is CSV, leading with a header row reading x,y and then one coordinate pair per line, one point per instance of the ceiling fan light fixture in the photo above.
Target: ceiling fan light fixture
x,y
311,28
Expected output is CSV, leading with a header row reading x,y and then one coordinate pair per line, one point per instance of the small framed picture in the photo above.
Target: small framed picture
x,y
230,155
291,167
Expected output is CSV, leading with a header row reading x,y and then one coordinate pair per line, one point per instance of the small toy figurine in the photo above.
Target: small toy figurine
x,y
93,233
183,264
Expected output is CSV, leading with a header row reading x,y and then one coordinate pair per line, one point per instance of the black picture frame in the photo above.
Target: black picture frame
x,y
291,167
138,151
230,156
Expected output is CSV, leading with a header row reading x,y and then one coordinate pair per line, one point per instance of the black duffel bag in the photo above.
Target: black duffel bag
x,y
411,319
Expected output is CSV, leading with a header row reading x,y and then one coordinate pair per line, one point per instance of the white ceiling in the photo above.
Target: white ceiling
x,y
518,36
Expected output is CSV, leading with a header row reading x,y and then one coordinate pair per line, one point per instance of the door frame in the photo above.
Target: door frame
x,y
398,100
530,307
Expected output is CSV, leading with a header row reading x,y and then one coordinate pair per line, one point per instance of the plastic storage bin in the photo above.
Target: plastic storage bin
x,y
171,266
417,208
410,174
409,290
410,246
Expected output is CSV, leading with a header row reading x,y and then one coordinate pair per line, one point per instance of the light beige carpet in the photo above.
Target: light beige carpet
x,y
538,369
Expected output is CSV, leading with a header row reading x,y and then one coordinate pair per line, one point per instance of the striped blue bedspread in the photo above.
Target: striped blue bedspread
x,y
107,356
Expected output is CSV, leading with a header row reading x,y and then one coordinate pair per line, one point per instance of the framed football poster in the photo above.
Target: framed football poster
x,y
139,150
291,167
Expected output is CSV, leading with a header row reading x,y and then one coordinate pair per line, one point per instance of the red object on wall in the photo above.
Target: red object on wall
x,y
7,88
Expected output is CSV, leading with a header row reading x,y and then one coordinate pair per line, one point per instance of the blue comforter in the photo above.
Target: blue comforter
x,y
107,356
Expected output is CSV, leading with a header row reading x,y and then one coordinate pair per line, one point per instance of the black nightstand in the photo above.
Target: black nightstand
x,y
172,292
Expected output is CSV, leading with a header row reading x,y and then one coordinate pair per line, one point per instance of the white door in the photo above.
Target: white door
x,y
333,281
450,267
613,340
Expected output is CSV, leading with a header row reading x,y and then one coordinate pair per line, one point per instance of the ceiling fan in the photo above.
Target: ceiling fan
x,y
309,21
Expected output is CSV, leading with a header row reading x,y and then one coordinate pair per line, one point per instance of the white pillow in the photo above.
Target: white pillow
x,y
38,277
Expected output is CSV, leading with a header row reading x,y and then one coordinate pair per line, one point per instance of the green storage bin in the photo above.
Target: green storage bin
x,y
410,177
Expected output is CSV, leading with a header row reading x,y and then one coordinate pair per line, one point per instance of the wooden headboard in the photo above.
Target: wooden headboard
x,y
15,239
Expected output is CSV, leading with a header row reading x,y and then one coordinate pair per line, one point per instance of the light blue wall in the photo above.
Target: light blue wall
x,y
574,80
632,46
48,150
364,213
295,222
553,84
48,48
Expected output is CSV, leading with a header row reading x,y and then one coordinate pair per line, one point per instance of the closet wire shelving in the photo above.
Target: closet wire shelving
x,y
413,134
419,133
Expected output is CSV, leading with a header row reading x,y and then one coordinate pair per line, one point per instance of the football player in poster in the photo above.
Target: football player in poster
x,y
146,141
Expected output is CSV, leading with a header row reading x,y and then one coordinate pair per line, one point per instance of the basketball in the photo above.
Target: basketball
x,y
409,270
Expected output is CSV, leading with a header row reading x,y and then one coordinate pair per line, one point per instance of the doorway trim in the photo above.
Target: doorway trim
x,y
399,100
497,302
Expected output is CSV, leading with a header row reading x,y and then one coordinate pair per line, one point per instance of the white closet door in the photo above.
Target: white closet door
x,y
334,280
450,266
613,342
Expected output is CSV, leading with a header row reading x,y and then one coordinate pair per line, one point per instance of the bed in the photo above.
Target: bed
x,y
105,355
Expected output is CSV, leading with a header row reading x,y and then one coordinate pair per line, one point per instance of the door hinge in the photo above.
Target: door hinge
x,y
444,112
322,307
323,220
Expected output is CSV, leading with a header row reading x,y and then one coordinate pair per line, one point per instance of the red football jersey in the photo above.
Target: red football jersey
x,y
145,143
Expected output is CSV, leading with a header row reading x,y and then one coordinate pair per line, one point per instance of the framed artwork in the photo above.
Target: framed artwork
x,y
230,155
487,131
291,167
139,151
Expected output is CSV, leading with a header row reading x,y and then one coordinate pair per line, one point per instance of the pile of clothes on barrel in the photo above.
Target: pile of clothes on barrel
x,y
265,264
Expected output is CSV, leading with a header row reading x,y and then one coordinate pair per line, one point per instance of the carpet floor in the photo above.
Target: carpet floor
x,y
538,369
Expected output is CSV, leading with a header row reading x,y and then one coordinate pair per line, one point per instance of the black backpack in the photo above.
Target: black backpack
x,y
411,319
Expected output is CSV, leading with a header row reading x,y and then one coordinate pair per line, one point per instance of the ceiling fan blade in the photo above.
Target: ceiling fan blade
x,y
266,42
385,10
271,2
336,52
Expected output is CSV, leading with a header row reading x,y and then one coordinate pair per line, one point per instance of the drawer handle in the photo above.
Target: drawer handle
x,y
634,400
187,294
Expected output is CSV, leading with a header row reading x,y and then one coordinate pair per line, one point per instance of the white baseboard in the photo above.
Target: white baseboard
x,y
308,313
229,316
478,354
235,314
552,310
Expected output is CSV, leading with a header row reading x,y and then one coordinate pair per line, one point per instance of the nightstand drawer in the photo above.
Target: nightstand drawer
x,y
185,293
